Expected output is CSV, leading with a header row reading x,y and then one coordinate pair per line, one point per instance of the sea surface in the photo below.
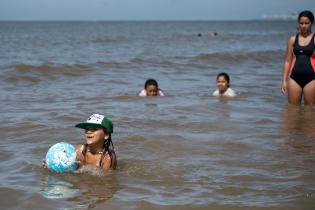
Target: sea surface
x,y
187,150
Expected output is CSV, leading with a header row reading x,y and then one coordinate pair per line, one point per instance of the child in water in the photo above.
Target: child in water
x,y
223,84
96,151
151,88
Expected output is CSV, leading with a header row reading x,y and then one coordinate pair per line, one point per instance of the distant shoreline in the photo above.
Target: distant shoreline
x,y
249,20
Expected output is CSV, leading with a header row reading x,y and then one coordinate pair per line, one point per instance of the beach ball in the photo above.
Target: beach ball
x,y
61,157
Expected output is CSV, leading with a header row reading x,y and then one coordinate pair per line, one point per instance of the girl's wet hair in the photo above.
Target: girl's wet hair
x,y
106,148
150,82
308,14
225,75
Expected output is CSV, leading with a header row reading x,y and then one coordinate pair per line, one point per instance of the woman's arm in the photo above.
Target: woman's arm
x,y
287,64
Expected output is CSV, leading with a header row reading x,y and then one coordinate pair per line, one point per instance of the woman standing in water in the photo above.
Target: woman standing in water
x,y
299,65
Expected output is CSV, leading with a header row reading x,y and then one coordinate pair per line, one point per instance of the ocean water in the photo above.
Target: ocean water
x,y
187,150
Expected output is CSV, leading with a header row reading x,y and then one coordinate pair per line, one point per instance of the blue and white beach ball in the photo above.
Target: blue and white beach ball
x,y
61,157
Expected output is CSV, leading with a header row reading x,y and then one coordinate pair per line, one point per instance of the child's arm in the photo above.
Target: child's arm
x,y
110,162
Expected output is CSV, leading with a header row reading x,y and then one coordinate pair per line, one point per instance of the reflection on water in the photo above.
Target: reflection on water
x,y
56,187
299,123
84,190
224,99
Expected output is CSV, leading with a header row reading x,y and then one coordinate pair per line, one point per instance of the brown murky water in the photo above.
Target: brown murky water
x,y
187,150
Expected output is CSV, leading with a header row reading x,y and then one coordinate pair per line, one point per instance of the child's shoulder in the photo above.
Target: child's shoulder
x,y
230,92
161,93
142,93
216,93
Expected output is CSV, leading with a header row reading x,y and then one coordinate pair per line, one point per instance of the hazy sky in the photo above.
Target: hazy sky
x,y
149,9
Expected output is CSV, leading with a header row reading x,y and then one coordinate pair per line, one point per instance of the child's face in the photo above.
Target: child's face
x,y
222,84
151,90
95,135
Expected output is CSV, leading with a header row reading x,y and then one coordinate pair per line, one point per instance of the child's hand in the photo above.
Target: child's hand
x,y
44,164
79,162
80,159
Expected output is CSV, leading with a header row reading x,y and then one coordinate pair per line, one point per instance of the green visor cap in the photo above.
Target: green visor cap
x,y
97,121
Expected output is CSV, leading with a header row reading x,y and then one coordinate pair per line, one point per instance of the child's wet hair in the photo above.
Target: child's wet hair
x,y
150,82
225,75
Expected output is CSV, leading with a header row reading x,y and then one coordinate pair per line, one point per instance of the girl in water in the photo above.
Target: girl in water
x,y
298,77
98,149
223,84
151,88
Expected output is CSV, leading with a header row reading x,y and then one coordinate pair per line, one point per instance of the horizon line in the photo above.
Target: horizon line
x,y
136,20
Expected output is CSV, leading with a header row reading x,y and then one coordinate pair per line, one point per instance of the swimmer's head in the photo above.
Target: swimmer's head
x,y
308,14
223,82
151,86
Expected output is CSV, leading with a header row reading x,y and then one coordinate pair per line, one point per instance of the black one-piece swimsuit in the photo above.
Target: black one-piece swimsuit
x,y
303,70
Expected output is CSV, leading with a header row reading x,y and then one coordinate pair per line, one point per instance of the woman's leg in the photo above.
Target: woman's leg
x,y
294,92
309,93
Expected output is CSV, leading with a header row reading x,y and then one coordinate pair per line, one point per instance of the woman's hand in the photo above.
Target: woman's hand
x,y
284,88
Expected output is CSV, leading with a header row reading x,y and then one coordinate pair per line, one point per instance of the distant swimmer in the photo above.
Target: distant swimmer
x,y
223,84
209,34
213,34
298,77
151,88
